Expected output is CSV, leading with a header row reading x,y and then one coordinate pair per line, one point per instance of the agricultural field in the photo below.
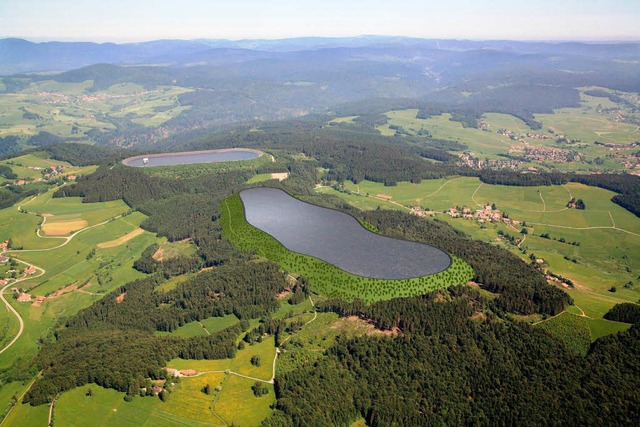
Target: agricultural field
x,y
31,166
72,110
597,248
325,278
73,271
596,119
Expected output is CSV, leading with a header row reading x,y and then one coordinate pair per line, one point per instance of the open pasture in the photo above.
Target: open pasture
x,y
121,240
72,279
72,109
241,364
170,250
479,141
68,213
30,166
589,126
106,407
608,235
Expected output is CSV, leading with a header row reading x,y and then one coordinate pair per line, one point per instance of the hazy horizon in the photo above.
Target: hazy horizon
x,y
120,21
118,42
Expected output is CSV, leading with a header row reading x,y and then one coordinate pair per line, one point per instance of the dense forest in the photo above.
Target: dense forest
x,y
112,342
626,312
457,362
493,365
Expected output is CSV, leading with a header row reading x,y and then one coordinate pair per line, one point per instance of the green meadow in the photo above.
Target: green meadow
x,y
73,109
585,124
76,275
106,407
30,166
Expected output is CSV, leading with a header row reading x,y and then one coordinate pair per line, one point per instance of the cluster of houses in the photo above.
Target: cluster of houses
x,y
552,154
181,373
472,162
24,296
47,174
54,98
520,136
21,294
488,213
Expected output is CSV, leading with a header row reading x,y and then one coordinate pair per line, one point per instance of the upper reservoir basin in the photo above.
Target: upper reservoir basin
x,y
191,157
338,238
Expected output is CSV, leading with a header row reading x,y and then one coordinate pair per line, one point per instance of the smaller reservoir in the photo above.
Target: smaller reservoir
x,y
192,157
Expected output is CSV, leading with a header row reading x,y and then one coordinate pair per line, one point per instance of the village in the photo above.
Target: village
x,y
488,213
48,174
556,155
472,162
520,136
10,273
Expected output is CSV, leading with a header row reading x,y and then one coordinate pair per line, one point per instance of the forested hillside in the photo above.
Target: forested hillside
x,y
456,362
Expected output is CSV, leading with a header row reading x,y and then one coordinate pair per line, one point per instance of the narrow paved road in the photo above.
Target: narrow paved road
x,y
10,307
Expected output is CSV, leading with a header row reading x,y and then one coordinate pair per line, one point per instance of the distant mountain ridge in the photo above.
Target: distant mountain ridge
x,y
22,56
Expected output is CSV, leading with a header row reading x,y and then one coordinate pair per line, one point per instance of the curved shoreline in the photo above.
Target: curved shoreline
x,y
128,160
361,253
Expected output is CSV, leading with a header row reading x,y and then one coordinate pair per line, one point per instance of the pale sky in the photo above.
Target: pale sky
x,y
141,20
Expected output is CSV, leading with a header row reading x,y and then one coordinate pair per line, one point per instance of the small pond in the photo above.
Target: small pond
x,y
191,157
338,238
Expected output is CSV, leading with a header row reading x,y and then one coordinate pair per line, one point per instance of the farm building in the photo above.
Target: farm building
x,y
24,298
188,372
30,270
3,259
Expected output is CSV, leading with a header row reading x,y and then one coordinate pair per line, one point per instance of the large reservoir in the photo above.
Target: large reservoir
x,y
338,238
192,157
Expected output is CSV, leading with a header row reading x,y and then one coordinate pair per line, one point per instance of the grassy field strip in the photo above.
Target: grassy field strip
x,y
20,398
584,228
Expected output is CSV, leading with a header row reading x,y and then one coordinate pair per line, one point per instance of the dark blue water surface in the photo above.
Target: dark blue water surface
x,y
171,159
338,238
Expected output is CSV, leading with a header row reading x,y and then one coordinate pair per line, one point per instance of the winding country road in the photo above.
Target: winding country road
x,y
10,307
67,239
